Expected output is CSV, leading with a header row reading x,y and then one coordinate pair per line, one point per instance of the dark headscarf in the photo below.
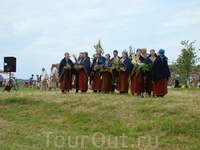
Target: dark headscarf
x,y
162,55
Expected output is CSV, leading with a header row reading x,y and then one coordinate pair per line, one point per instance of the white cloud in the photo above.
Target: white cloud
x,y
185,18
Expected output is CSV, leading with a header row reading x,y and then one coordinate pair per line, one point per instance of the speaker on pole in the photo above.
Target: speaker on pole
x,y
10,64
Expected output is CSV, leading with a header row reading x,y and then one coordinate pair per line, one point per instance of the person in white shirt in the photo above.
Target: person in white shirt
x,y
43,80
38,83
53,78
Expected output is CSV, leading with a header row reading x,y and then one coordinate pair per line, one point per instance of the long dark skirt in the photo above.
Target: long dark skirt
x,y
76,81
149,83
160,87
82,80
66,80
106,82
122,85
137,84
96,82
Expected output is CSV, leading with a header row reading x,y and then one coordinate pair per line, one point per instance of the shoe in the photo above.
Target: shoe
x,y
160,95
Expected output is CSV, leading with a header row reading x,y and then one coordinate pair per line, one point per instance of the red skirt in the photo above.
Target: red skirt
x,y
66,81
160,87
122,85
106,82
137,84
96,84
82,80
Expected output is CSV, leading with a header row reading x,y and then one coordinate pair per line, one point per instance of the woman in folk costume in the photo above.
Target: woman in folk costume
x,y
148,75
107,75
124,72
160,74
137,78
84,73
114,71
65,73
77,72
98,61
99,50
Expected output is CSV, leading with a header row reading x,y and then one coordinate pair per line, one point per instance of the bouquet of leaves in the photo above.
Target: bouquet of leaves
x,y
68,66
105,69
146,67
75,58
140,66
97,67
77,67
116,64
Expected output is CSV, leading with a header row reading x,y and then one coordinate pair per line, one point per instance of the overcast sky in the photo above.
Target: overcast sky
x,y
39,32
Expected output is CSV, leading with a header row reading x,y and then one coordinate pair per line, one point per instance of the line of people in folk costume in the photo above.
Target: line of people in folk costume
x,y
142,73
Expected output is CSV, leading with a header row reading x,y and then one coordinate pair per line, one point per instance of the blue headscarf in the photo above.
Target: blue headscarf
x,y
125,52
162,55
115,51
139,49
98,53
86,53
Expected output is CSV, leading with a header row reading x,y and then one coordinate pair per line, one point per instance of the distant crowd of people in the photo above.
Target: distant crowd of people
x,y
43,81
143,73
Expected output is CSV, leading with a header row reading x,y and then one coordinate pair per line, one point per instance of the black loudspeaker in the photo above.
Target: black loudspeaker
x,y
9,64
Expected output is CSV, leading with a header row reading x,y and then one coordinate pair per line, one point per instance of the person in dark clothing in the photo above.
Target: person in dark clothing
x,y
160,74
106,85
176,80
124,73
114,71
98,61
148,74
137,81
65,73
77,72
84,73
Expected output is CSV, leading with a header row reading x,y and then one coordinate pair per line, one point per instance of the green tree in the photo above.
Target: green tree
x,y
186,63
99,46
131,51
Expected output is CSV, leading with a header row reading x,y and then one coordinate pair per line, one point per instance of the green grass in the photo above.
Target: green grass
x,y
99,121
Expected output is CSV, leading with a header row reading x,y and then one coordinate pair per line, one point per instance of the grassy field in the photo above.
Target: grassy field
x,y
32,119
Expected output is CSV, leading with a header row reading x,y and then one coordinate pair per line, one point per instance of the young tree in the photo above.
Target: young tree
x,y
98,46
131,52
186,62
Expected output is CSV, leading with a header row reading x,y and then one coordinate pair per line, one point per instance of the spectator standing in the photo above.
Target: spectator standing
x,y
1,81
31,81
44,78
